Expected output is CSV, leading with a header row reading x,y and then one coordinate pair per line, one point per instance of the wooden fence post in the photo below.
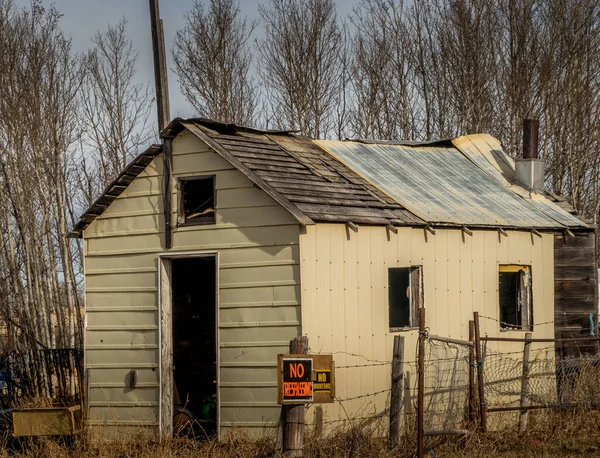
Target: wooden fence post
x,y
397,388
478,356
472,401
293,415
525,383
421,385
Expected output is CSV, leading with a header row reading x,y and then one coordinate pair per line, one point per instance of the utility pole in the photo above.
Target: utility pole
x,y
160,67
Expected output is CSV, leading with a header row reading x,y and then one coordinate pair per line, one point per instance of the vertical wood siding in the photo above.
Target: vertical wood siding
x,y
259,292
575,289
345,297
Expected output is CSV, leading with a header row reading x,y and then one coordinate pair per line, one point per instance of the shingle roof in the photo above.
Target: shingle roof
x,y
291,166
311,184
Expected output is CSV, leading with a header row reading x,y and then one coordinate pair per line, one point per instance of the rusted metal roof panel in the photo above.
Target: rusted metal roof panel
x,y
443,185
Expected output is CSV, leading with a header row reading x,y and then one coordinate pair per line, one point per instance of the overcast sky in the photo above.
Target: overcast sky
x,y
83,17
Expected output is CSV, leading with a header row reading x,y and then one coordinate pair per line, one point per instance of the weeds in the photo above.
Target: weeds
x,y
563,434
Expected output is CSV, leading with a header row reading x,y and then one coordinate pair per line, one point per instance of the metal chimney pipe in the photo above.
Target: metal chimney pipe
x,y
531,129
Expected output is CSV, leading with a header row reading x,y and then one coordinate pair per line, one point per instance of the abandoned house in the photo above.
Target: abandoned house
x,y
209,253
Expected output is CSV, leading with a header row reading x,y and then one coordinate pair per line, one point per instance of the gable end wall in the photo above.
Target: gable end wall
x,y
259,293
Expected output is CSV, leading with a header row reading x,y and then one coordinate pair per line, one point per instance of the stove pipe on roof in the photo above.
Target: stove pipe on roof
x,y
531,128
530,168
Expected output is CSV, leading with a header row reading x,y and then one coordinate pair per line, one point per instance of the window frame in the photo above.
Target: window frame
x,y
527,319
415,299
203,221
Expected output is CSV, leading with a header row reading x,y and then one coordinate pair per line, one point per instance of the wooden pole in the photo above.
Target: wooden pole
x,y
168,191
162,109
472,373
160,73
397,388
478,356
421,385
525,384
293,427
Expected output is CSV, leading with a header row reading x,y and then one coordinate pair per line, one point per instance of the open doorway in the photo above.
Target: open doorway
x,y
195,356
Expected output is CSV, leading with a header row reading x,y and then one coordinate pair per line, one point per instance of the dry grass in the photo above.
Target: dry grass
x,y
551,434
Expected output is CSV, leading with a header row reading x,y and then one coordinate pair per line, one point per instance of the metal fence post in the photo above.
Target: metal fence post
x,y
472,373
421,385
478,356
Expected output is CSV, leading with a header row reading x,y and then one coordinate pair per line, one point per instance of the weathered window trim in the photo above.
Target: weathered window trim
x,y
524,297
201,221
415,300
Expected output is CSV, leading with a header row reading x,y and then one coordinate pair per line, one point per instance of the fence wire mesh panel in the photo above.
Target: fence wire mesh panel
x,y
546,381
446,394
505,376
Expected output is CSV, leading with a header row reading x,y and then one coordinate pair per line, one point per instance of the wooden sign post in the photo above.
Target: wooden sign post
x,y
301,379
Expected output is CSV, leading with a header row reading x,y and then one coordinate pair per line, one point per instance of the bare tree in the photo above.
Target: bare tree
x,y
39,84
213,61
382,74
302,63
570,106
116,108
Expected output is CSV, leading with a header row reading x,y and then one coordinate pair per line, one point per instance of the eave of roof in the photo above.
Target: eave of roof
x,y
115,189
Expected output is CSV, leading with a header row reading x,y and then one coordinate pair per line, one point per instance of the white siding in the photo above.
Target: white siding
x,y
345,297
259,292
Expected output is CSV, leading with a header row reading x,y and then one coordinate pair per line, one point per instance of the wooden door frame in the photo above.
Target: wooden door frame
x,y
165,338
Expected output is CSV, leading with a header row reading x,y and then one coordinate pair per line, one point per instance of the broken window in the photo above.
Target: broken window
x,y
405,296
514,286
197,200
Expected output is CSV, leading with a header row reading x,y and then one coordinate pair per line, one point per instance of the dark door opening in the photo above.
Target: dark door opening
x,y
194,346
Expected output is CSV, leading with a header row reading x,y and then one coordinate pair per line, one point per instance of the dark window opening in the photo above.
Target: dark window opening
x,y
405,296
197,197
514,288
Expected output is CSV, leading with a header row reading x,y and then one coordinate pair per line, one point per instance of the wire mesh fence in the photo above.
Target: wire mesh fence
x,y
447,387
547,381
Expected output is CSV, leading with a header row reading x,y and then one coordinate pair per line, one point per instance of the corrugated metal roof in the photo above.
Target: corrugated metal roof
x,y
447,185
486,152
